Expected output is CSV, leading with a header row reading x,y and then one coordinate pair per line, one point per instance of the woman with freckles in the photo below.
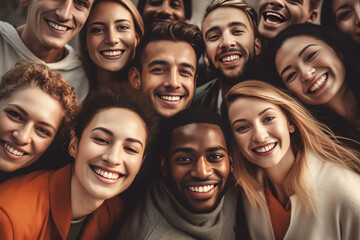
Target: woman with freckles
x,y
80,200
36,105
297,182
108,41
314,65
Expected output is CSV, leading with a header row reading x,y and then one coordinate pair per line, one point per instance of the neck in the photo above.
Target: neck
x,y
82,204
48,55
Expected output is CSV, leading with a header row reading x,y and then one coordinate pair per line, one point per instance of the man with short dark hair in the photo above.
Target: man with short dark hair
x,y
195,198
231,39
50,25
165,66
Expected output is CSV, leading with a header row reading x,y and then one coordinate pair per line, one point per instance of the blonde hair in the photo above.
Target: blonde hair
x,y
309,136
89,65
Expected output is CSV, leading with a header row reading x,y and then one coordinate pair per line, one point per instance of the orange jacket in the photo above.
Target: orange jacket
x,y
38,206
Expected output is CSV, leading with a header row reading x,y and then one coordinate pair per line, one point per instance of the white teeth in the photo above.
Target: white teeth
x,y
57,27
170,98
13,151
273,14
273,21
106,174
265,149
112,53
230,58
318,84
201,189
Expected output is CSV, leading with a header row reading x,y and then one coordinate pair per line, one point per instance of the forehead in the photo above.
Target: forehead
x,y
297,43
222,17
109,9
198,134
169,51
151,3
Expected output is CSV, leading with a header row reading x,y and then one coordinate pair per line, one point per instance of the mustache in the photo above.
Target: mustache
x,y
242,52
184,93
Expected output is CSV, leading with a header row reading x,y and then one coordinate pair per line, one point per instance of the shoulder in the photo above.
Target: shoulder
x,y
206,87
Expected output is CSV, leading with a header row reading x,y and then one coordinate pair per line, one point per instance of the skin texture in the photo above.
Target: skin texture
x,y
198,157
233,37
114,142
111,30
304,75
163,10
168,76
29,121
347,14
262,133
291,12
43,39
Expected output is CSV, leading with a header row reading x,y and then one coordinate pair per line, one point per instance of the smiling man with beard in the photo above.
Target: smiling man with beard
x,y
195,198
231,45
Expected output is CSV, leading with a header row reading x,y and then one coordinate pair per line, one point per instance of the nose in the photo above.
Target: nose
x,y
111,37
307,73
260,133
227,40
201,169
165,9
113,155
23,135
172,80
276,4
64,10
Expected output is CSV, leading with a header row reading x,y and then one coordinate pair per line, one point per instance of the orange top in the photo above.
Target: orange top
x,y
280,218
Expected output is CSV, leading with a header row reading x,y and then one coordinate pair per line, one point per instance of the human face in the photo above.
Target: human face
x,y
109,154
261,131
163,11
198,165
29,121
168,75
230,41
310,69
347,14
111,36
51,24
276,15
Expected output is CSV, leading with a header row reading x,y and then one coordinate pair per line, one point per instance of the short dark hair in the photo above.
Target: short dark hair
x,y
239,4
193,114
172,31
122,97
187,7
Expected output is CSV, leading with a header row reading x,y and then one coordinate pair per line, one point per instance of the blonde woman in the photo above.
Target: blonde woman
x,y
297,182
108,41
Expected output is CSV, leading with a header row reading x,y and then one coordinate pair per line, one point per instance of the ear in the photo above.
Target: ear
x,y
257,46
291,127
25,3
134,78
231,163
163,167
137,40
73,146
312,16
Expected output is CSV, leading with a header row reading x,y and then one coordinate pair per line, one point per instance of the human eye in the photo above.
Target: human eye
x,y
155,2
311,56
100,140
268,119
238,32
344,15
185,73
296,1
241,128
158,70
131,149
290,77
96,30
14,115
183,160
43,131
216,157
82,3
123,27
213,37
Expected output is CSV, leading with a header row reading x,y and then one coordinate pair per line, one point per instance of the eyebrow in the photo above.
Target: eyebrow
x,y
162,62
107,131
134,140
299,55
27,115
229,25
103,23
183,149
260,113
214,149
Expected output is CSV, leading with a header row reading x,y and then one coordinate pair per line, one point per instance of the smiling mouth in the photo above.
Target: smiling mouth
x,y
273,18
230,58
13,151
106,174
170,98
201,189
265,149
112,53
57,27
318,84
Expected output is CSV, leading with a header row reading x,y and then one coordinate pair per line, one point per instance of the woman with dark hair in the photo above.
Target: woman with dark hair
x,y
80,200
108,41
318,69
